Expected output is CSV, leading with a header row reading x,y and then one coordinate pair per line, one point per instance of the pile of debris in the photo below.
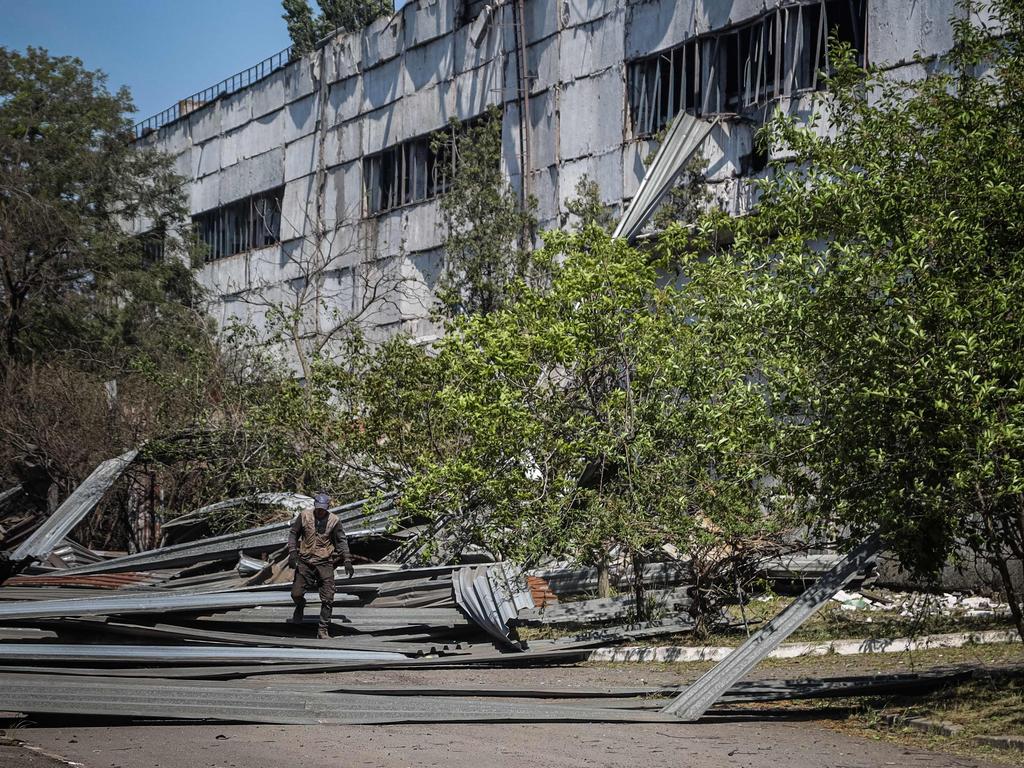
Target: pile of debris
x,y
215,602
180,631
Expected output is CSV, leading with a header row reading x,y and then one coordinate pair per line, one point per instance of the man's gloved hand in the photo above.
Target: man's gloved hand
x,y
293,559
349,570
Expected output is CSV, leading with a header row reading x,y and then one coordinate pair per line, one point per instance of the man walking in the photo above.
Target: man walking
x,y
316,543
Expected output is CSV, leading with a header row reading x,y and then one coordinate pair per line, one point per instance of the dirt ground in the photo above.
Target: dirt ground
x,y
795,738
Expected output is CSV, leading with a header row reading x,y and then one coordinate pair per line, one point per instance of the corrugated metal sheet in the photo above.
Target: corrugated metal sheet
x,y
492,595
679,145
73,695
75,507
227,546
139,602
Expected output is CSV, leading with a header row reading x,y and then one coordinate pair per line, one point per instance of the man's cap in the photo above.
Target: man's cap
x,y
321,501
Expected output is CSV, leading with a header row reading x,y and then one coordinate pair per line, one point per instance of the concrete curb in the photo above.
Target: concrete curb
x,y
1001,742
924,725
678,653
942,728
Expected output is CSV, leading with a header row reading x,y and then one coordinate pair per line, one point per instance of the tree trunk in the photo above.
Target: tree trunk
x,y
999,561
604,587
642,614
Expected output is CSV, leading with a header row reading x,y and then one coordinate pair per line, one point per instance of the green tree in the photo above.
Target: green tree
x,y
486,252
888,280
103,343
306,28
587,206
71,275
607,410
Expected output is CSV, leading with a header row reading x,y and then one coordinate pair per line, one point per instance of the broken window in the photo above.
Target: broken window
x,y
252,222
729,70
406,173
153,245
403,174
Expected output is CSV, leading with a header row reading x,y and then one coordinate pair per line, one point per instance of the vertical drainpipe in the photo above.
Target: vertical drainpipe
x,y
523,85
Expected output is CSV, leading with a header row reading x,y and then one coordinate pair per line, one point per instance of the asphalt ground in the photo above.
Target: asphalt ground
x,y
749,737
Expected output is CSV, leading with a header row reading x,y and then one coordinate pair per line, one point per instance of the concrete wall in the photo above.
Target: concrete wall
x,y
308,125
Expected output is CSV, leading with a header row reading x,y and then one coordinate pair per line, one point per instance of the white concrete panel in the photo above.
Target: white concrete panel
x,y
382,234
204,123
592,48
544,130
298,79
343,196
381,129
185,165
236,109
231,147
510,129
204,194
300,158
544,187
429,64
343,143
424,226
209,157
343,57
255,174
261,135
381,41
383,85
604,170
337,293
227,276
173,138
541,65
897,30
297,211
266,170
582,11
344,100
421,273
633,167
420,113
541,18
468,56
724,148
425,20
269,95
596,107
298,119
475,91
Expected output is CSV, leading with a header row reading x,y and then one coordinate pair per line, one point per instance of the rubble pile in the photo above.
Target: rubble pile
x,y
177,631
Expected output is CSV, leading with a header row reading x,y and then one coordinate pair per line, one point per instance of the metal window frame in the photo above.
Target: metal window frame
x,y
231,229
779,52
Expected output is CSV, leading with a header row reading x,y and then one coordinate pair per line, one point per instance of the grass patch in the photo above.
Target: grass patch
x,y
993,706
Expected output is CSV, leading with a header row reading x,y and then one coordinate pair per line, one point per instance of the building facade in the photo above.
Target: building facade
x,y
314,186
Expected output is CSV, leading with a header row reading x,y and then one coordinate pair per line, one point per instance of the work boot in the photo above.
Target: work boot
x,y
322,633
297,615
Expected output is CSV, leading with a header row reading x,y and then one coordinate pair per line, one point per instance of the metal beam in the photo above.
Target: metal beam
x,y
146,602
693,702
180,654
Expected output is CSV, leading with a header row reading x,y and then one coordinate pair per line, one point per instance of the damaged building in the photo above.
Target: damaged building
x,y
313,183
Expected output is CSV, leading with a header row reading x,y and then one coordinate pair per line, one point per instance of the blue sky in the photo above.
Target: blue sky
x,y
163,50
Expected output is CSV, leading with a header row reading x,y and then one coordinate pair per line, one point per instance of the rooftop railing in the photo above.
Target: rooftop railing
x,y
236,82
